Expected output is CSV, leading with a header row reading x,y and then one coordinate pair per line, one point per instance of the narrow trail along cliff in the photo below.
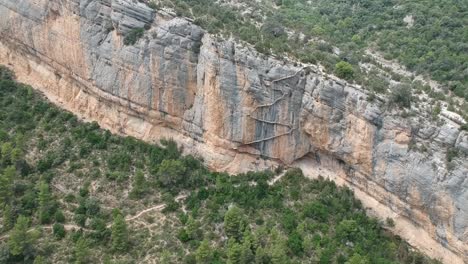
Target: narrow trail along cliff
x,y
241,110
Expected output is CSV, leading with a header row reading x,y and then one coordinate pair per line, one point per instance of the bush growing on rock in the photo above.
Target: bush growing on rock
x,y
133,36
401,96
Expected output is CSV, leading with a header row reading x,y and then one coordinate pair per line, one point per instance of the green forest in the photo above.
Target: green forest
x,y
428,37
71,192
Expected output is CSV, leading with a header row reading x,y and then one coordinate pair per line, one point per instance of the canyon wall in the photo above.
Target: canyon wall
x,y
241,110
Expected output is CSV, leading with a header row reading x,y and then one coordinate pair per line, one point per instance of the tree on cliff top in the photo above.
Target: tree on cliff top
x,y
344,70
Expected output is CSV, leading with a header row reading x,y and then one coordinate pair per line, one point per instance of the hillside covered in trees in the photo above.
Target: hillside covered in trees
x,y
71,192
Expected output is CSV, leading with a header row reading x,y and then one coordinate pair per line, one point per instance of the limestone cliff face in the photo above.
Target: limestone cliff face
x,y
241,110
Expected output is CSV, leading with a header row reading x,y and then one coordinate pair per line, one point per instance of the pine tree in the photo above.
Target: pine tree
x,y
234,223
39,260
344,70
358,259
295,243
192,228
261,256
8,217
59,216
165,257
171,173
81,251
234,253
278,253
6,184
58,230
80,212
119,234
247,255
44,198
6,150
139,185
16,153
19,238
203,254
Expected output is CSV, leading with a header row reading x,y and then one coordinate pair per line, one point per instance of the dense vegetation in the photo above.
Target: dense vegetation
x,y
428,37
71,192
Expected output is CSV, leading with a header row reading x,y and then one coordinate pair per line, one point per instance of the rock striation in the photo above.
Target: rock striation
x,y
240,110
